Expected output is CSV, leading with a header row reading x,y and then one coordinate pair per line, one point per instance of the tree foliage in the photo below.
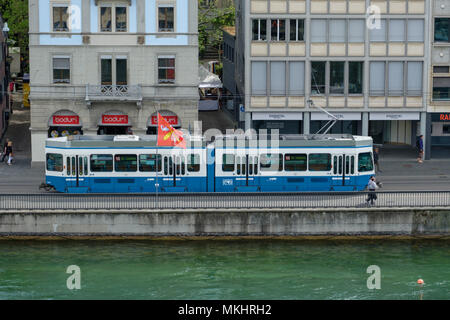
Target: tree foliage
x,y
15,12
211,20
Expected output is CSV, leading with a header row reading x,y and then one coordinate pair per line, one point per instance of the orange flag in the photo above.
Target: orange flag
x,y
169,136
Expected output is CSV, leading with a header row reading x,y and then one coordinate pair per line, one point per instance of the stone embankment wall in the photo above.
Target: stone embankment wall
x,y
197,223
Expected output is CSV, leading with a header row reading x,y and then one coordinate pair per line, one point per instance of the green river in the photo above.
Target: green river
x,y
218,269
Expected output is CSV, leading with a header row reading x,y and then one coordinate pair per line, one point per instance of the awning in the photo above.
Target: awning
x,y
277,116
64,118
394,116
208,79
339,115
171,117
114,118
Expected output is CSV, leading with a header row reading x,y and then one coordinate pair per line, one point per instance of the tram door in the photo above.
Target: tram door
x,y
246,170
174,171
77,171
343,170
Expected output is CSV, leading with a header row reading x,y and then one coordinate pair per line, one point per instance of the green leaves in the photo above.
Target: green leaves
x,y
211,20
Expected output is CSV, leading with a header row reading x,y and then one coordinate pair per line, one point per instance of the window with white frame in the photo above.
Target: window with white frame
x,y
296,29
113,18
60,14
166,69
166,18
61,69
259,30
278,30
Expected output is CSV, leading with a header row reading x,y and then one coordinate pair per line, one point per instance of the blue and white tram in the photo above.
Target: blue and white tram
x,y
130,164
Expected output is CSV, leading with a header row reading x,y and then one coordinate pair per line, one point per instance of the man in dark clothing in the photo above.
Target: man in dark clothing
x,y
5,150
376,158
420,147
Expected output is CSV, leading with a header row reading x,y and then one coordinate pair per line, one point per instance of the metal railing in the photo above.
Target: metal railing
x,y
242,201
113,92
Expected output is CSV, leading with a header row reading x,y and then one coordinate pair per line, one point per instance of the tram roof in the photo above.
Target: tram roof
x,y
331,140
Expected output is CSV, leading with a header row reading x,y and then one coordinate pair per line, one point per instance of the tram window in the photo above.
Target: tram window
x,y
319,162
335,165
352,165
365,162
347,165
238,165
193,163
80,166
243,166
250,166
166,166
54,162
148,162
295,162
228,162
125,163
85,166
271,162
68,166
74,167
170,166
101,163
255,170
183,166
340,164
178,165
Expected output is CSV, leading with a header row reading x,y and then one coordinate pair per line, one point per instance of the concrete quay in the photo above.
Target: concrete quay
x,y
224,223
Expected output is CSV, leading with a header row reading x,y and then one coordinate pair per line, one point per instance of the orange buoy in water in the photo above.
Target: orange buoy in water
x,y
420,281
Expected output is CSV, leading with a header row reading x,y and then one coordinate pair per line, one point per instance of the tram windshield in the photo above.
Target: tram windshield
x,y
365,162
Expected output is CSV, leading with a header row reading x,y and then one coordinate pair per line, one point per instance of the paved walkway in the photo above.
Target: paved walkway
x,y
400,170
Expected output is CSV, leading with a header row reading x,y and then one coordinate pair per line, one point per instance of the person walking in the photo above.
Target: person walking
x,y
9,152
376,159
419,145
5,150
372,186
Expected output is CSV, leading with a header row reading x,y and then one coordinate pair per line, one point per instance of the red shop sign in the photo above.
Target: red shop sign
x,y
65,120
114,119
172,120
444,116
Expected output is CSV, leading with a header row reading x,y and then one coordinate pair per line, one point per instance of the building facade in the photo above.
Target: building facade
x,y
365,61
107,67
439,84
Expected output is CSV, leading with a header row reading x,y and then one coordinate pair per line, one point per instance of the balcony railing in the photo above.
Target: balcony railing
x,y
113,93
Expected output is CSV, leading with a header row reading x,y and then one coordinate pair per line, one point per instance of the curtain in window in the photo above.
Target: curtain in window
x,y
380,33
277,78
296,78
105,19
356,29
60,19
415,75
377,79
397,30
121,19
259,77
415,30
337,30
395,78
318,30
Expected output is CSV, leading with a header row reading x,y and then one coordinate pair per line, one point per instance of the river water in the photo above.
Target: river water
x,y
217,269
